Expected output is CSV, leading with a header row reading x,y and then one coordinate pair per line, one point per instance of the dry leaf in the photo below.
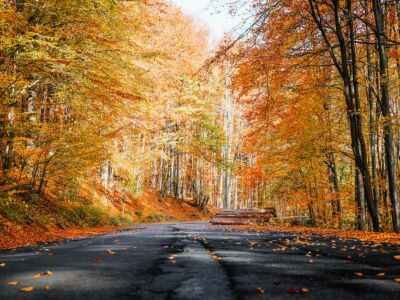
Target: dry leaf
x,y
304,290
380,274
215,257
27,289
359,274
252,243
260,290
110,252
39,275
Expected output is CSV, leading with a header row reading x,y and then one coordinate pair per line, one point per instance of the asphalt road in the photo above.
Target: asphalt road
x,y
198,261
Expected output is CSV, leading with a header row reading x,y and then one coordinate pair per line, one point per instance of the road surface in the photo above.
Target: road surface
x,y
198,261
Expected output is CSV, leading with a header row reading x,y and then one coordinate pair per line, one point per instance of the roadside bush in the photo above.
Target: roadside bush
x,y
120,220
82,216
139,213
154,218
28,210
14,209
89,216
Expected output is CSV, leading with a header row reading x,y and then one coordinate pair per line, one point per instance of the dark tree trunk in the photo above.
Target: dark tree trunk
x,y
360,205
346,66
333,178
386,112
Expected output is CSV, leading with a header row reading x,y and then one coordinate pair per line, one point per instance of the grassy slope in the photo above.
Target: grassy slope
x,y
28,219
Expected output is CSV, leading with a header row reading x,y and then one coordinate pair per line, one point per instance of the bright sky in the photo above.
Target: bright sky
x,y
215,17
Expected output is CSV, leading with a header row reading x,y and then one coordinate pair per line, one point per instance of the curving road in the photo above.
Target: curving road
x,y
197,261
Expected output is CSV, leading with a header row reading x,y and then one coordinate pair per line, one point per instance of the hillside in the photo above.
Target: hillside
x,y
30,219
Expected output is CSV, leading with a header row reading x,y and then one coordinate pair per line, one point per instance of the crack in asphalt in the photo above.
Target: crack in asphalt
x,y
183,273
231,282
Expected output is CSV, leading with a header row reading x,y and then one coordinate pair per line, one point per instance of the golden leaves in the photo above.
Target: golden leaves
x,y
43,274
27,289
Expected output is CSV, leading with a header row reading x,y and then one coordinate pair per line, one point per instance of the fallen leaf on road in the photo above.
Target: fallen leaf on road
x,y
304,290
380,274
27,289
216,258
110,252
172,258
12,283
298,291
359,274
252,243
260,290
42,274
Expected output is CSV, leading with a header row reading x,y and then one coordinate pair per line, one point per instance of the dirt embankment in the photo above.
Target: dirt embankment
x,y
42,223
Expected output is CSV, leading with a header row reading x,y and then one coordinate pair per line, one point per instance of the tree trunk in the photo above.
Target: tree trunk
x,y
386,107
360,206
333,178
